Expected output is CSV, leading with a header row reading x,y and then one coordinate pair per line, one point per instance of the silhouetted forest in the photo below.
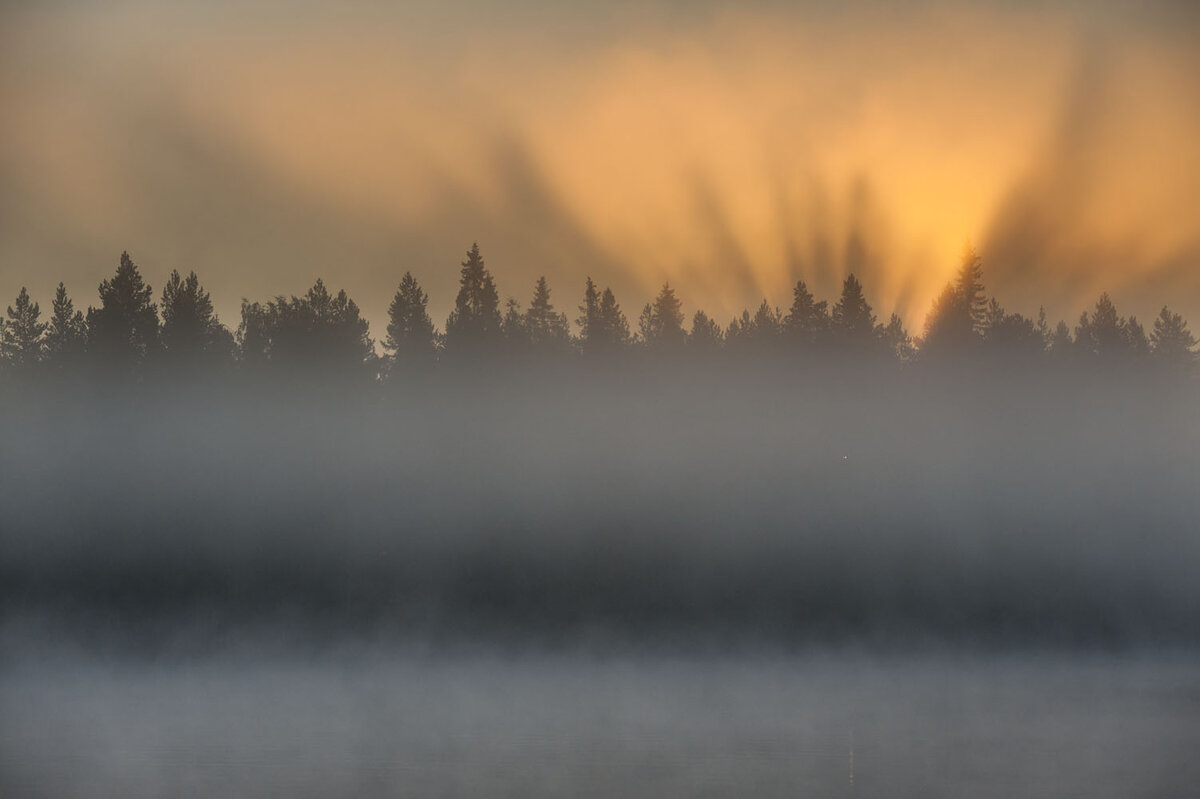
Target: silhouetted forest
x,y
127,336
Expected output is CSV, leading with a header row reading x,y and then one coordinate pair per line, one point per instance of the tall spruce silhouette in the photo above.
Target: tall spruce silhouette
x,y
22,334
957,321
545,329
411,339
1172,342
660,327
852,318
759,333
123,331
474,326
603,328
67,333
613,332
706,336
807,322
1105,337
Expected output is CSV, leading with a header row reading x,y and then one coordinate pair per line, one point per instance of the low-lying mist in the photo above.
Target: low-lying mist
x,y
766,502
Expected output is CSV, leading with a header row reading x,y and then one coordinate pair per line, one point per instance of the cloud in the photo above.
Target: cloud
x,y
729,151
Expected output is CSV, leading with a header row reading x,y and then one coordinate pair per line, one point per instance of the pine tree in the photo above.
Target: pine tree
x,y
545,328
1173,344
1061,345
969,285
190,328
661,324
759,333
853,321
1104,334
22,335
124,329
411,337
705,336
1011,335
321,332
589,313
1136,341
474,325
512,326
611,327
948,328
807,321
67,332
896,339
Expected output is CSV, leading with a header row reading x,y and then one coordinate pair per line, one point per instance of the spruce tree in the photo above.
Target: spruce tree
x,y
589,316
410,334
124,329
853,321
807,321
317,333
191,330
512,327
474,325
705,336
1171,341
661,324
545,328
22,335
612,326
969,285
896,339
67,332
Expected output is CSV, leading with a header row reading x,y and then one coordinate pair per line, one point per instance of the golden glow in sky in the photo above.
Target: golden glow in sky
x,y
730,151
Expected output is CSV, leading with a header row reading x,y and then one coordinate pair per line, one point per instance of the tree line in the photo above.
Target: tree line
x,y
130,336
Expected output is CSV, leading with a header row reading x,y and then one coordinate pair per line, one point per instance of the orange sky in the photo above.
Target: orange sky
x,y
729,150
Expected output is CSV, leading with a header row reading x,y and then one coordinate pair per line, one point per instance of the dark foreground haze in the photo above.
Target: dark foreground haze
x,y
624,580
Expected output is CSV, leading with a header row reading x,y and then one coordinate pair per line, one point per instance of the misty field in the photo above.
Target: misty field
x,y
381,721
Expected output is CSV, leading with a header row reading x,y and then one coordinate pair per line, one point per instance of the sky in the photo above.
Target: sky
x,y
728,148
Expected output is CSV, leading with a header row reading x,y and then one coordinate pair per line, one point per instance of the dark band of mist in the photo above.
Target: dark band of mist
x,y
641,503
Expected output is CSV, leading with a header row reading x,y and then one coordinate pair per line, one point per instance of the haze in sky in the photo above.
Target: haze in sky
x,y
728,149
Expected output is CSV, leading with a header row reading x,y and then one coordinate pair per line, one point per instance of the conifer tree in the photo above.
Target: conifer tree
x,y
1136,340
969,285
124,329
22,335
545,328
705,336
512,326
759,333
1061,346
319,332
807,321
853,320
589,312
474,326
190,328
896,339
612,328
1173,344
411,337
661,324
1106,335
958,320
67,332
